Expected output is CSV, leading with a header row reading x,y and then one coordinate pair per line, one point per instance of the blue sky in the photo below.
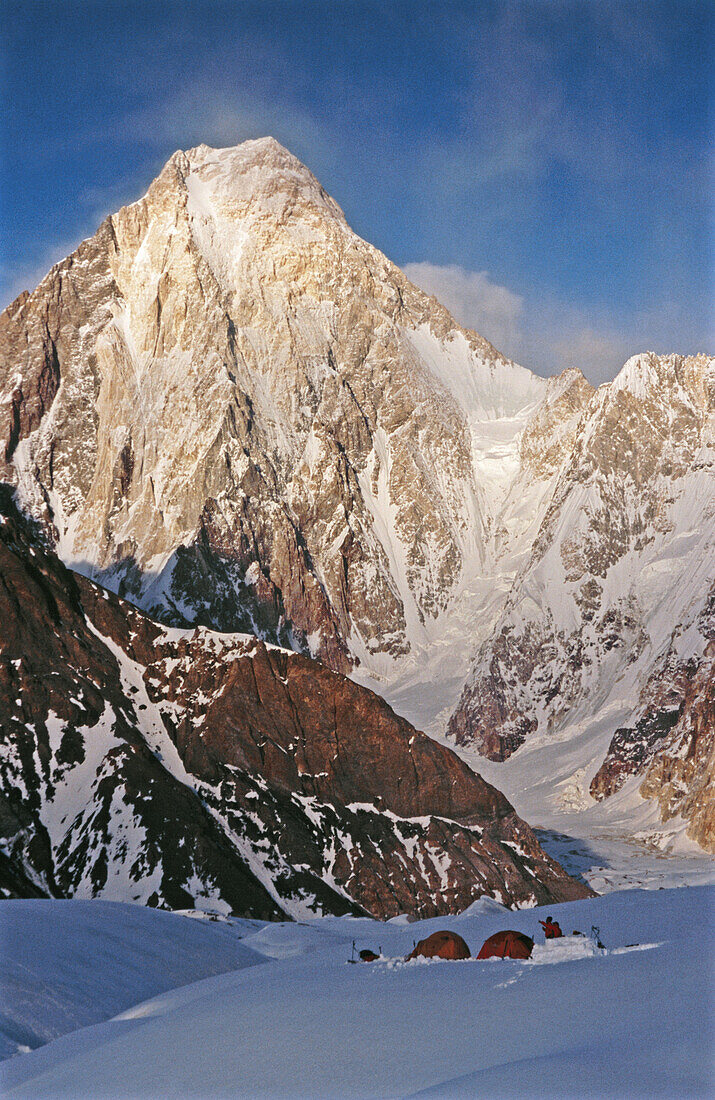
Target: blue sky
x,y
542,165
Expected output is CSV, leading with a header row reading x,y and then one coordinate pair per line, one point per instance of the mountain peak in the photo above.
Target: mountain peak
x,y
649,374
250,146
264,150
260,170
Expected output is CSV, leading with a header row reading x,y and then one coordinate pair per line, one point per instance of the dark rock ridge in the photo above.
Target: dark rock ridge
x,y
188,768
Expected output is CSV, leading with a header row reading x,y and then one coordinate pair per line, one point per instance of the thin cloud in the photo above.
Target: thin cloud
x,y
474,300
549,336
223,117
598,355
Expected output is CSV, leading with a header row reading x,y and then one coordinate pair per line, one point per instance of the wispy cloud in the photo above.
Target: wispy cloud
x,y
598,354
547,335
205,113
475,301
217,114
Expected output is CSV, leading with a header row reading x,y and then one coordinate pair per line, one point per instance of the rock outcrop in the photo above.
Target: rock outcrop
x,y
670,747
681,773
186,768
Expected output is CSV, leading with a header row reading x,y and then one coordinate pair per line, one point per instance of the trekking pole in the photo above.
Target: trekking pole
x,y
353,955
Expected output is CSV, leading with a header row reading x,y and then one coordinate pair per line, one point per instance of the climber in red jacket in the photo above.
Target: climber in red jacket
x,y
551,928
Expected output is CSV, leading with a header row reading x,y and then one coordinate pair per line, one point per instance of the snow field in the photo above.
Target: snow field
x,y
67,964
307,1024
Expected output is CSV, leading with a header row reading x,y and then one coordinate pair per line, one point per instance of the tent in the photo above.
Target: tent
x,y
441,945
507,945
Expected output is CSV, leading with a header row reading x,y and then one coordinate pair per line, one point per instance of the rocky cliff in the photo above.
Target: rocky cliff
x,y
670,744
188,768
680,774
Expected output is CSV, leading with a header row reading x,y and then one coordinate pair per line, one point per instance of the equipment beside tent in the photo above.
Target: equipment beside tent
x,y
507,945
441,945
368,956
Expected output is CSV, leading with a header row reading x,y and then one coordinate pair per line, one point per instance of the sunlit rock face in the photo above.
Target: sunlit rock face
x,y
681,772
191,769
670,743
239,413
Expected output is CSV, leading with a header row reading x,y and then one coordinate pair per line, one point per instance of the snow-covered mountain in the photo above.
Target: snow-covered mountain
x,y
613,612
182,768
233,411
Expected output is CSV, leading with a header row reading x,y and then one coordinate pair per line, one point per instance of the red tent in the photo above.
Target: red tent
x,y
441,945
507,945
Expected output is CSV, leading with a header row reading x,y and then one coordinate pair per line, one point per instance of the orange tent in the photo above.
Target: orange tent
x,y
441,945
507,945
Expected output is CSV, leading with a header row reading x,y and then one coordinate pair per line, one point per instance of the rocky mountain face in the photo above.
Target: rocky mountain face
x,y
615,604
681,771
670,746
231,410
235,412
186,768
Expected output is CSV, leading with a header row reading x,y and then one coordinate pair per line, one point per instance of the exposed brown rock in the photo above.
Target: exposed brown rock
x,y
681,776
188,767
671,743
552,431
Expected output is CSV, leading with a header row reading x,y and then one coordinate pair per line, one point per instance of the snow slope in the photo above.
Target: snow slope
x,y
69,964
633,1021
